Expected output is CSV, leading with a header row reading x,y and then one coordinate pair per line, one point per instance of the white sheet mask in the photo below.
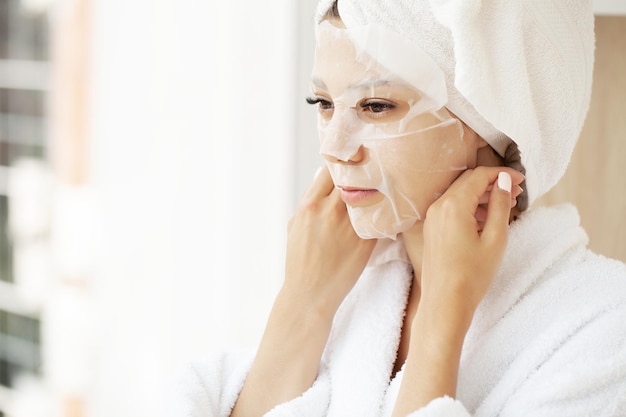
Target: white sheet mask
x,y
383,126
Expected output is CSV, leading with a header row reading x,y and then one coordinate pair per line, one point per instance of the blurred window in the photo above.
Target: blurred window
x,y
23,83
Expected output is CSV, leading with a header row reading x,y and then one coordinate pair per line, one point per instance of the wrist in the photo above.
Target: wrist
x,y
433,359
295,335
288,359
310,305
442,323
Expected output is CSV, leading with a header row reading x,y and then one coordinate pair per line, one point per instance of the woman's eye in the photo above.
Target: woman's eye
x,y
324,105
377,106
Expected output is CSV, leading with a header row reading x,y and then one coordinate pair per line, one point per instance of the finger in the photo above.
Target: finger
x,y
484,199
335,198
472,184
515,192
498,210
481,214
322,185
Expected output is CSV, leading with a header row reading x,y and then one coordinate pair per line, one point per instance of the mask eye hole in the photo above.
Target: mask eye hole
x,y
376,108
381,110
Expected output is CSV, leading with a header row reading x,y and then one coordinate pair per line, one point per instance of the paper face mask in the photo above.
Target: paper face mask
x,y
388,141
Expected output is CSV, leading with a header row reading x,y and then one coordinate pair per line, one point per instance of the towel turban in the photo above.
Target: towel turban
x,y
516,70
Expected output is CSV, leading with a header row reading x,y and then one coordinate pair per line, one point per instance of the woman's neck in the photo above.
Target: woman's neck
x,y
414,245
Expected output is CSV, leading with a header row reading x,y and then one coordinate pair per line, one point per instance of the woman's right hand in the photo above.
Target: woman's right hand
x,y
324,260
325,257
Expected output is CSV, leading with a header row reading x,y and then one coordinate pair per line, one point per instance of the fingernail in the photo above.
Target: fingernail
x,y
504,181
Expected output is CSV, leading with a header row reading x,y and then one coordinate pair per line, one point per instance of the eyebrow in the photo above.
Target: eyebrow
x,y
366,84
369,84
318,83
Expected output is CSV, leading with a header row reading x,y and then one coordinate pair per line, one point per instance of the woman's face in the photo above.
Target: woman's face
x,y
389,153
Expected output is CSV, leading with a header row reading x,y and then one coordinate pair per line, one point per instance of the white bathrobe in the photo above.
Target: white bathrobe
x,y
549,339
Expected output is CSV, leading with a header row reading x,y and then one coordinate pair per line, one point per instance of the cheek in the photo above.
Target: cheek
x,y
440,149
421,167
404,124
420,188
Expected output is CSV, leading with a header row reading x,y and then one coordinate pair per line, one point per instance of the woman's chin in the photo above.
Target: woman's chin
x,y
379,222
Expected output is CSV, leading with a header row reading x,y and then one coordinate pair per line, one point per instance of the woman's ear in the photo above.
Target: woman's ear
x,y
487,156
479,152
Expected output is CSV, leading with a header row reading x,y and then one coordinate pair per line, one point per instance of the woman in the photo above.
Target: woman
x,y
416,284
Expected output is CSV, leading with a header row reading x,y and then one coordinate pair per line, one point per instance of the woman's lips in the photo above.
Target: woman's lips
x,y
354,196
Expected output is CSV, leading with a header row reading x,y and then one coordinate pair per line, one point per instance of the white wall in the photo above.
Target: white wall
x,y
307,158
192,132
610,7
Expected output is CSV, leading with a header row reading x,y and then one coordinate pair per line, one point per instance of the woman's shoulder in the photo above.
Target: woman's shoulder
x,y
561,334
583,291
585,281
601,278
557,244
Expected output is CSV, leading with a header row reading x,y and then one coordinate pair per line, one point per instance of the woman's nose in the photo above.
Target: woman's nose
x,y
348,157
338,144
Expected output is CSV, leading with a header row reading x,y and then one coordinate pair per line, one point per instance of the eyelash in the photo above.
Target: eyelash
x,y
324,104
377,106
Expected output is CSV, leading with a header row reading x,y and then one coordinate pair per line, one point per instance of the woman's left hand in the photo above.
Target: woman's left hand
x,y
464,240
463,246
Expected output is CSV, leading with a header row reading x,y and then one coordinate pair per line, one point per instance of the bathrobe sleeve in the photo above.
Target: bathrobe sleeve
x,y
440,407
312,403
209,387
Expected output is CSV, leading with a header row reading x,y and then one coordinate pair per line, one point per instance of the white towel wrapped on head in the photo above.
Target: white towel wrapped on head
x,y
518,69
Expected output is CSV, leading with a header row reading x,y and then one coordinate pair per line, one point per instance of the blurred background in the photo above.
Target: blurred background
x,y
151,153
